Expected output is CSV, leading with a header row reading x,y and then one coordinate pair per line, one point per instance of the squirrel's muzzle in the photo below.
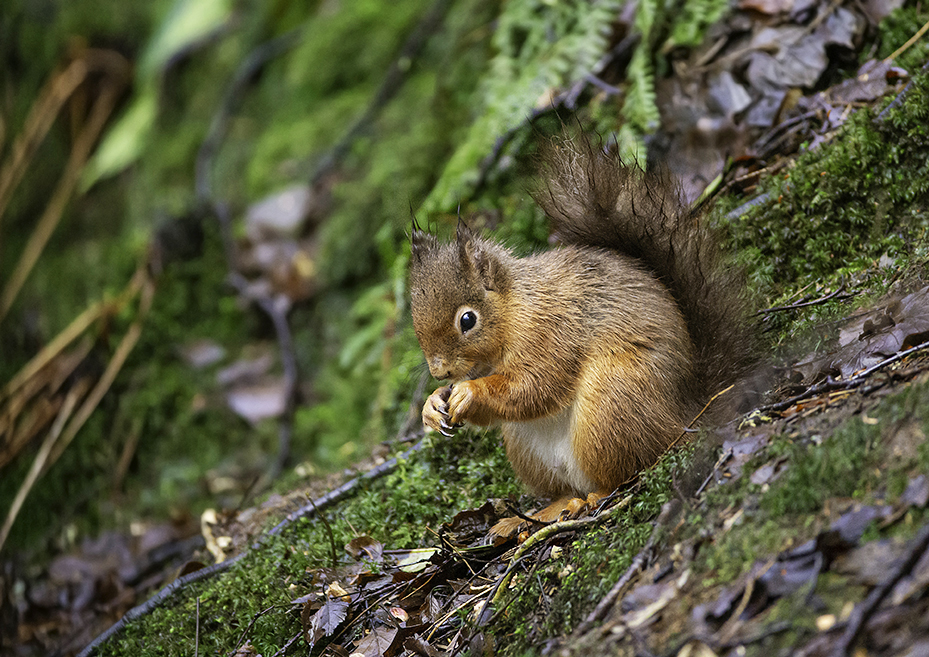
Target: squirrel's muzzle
x,y
438,368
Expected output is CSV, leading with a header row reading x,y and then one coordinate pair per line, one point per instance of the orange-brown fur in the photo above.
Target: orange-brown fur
x,y
593,356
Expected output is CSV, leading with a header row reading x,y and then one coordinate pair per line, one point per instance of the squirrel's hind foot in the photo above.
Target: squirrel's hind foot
x,y
564,508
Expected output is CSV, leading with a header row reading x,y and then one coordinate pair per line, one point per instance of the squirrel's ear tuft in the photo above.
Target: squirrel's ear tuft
x,y
421,242
468,250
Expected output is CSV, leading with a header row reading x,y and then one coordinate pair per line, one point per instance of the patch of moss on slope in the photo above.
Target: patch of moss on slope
x,y
845,204
448,476
854,460
554,598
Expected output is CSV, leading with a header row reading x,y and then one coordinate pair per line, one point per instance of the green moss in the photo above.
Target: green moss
x,y
573,584
835,467
448,476
844,205
895,30
153,399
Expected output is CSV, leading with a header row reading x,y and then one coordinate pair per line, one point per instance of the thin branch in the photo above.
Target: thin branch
x,y
338,494
831,384
204,573
689,427
805,304
863,612
392,83
609,600
551,530
896,102
906,46
249,627
219,126
289,643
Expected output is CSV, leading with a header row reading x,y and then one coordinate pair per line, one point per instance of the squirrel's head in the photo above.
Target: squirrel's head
x,y
458,290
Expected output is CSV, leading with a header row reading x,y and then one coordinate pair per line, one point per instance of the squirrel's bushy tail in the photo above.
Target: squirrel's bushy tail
x,y
594,199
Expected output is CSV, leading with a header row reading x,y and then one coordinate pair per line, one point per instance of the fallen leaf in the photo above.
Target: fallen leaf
x,y
869,564
326,620
416,560
870,83
917,492
769,471
202,353
377,642
258,402
420,646
665,593
282,214
246,370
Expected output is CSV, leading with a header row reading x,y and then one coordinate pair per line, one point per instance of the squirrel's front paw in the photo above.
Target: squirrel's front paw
x,y
460,401
435,412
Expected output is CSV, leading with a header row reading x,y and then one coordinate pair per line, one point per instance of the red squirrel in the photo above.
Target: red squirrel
x,y
593,356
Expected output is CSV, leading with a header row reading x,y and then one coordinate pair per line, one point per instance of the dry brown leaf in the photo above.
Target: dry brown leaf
x,y
377,642
326,620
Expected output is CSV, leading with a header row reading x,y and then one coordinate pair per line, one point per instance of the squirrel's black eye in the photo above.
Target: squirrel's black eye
x,y
467,321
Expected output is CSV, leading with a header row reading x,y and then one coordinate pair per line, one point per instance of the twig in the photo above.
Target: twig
x,y
197,634
638,563
831,384
898,100
328,528
863,612
774,132
219,125
156,600
289,643
275,308
609,600
725,456
774,628
906,46
249,627
391,84
689,427
729,629
749,204
486,619
335,495
551,530
805,304
511,508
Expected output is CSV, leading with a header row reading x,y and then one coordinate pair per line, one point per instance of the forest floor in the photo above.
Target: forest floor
x,y
800,528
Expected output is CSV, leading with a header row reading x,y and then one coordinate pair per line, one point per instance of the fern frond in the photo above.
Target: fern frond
x,y
696,16
541,46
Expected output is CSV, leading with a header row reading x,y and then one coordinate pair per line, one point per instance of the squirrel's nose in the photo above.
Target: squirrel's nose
x,y
438,368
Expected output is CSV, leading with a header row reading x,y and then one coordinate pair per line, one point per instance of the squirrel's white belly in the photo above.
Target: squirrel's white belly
x,y
547,441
